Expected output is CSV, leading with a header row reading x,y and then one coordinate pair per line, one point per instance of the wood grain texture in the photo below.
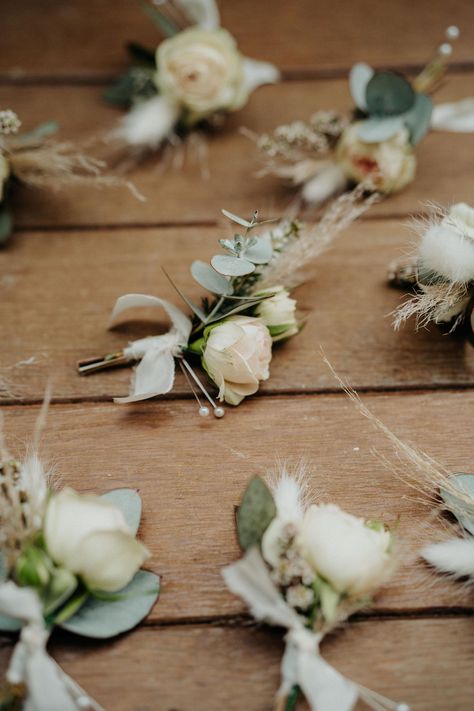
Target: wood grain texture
x,y
57,291
75,39
183,196
212,668
192,473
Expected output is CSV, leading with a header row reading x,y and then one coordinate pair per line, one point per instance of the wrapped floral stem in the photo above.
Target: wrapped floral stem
x,y
36,160
307,568
196,76
233,332
441,273
374,146
66,560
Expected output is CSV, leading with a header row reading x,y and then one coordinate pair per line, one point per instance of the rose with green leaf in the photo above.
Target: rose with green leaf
x,y
70,561
307,568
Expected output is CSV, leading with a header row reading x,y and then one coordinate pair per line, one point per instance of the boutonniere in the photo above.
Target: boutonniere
x,y
67,560
231,334
307,568
34,159
375,145
195,76
441,272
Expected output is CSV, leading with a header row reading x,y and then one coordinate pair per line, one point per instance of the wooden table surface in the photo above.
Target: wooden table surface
x,y
74,252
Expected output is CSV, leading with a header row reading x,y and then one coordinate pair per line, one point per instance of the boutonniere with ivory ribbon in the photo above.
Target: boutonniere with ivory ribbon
x,y
231,334
307,568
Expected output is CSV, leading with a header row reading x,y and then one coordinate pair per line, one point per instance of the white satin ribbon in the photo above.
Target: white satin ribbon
x,y
457,117
154,375
48,687
302,665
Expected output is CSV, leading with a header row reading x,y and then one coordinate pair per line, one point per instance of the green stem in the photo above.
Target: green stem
x,y
292,698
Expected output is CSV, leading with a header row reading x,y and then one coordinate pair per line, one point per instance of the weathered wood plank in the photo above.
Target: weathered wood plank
x,y
425,663
444,160
57,291
87,39
192,473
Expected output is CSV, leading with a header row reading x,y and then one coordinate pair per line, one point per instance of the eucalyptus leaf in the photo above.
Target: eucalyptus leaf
x,y
261,251
232,266
101,619
208,278
235,218
6,224
463,511
375,130
129,503
418,118
389,94
255,513
359,77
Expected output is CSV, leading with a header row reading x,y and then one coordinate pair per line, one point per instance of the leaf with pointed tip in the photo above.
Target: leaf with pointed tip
x,y
232,266
375,130
246,306
235,218
255,513
463,511
195,309
359,77
418,118
209,279
389,94
227,244
43,130
261,251
129,503
101,619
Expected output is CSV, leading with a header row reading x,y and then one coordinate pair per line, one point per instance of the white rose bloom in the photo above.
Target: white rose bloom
x,y
353,558
4,173
90,537
202,71
278,313
390,165
237,356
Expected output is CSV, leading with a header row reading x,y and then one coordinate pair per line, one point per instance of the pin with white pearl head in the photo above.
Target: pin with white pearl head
x,y
430,77
191,376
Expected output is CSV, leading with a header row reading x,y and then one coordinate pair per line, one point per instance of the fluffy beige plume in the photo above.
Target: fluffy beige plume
x,y
287,267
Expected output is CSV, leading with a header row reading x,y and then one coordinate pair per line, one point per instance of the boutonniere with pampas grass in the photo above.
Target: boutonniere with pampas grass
x,y
375,145
428,478
307,567
441,272
67,560
251,308
195,77
34,159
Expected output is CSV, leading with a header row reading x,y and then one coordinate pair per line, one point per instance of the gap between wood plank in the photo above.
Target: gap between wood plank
x,y
288,75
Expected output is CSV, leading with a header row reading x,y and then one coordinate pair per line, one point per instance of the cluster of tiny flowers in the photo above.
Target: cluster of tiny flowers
x,y
298,138
9,122
293,574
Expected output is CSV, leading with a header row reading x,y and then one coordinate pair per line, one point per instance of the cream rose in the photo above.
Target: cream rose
x,y
278,313
90,537
353,558
4,173
390,165
237,356
202,71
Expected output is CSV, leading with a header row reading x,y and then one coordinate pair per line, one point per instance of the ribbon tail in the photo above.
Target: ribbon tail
x,y
457,117
180,321
153,376
323,686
